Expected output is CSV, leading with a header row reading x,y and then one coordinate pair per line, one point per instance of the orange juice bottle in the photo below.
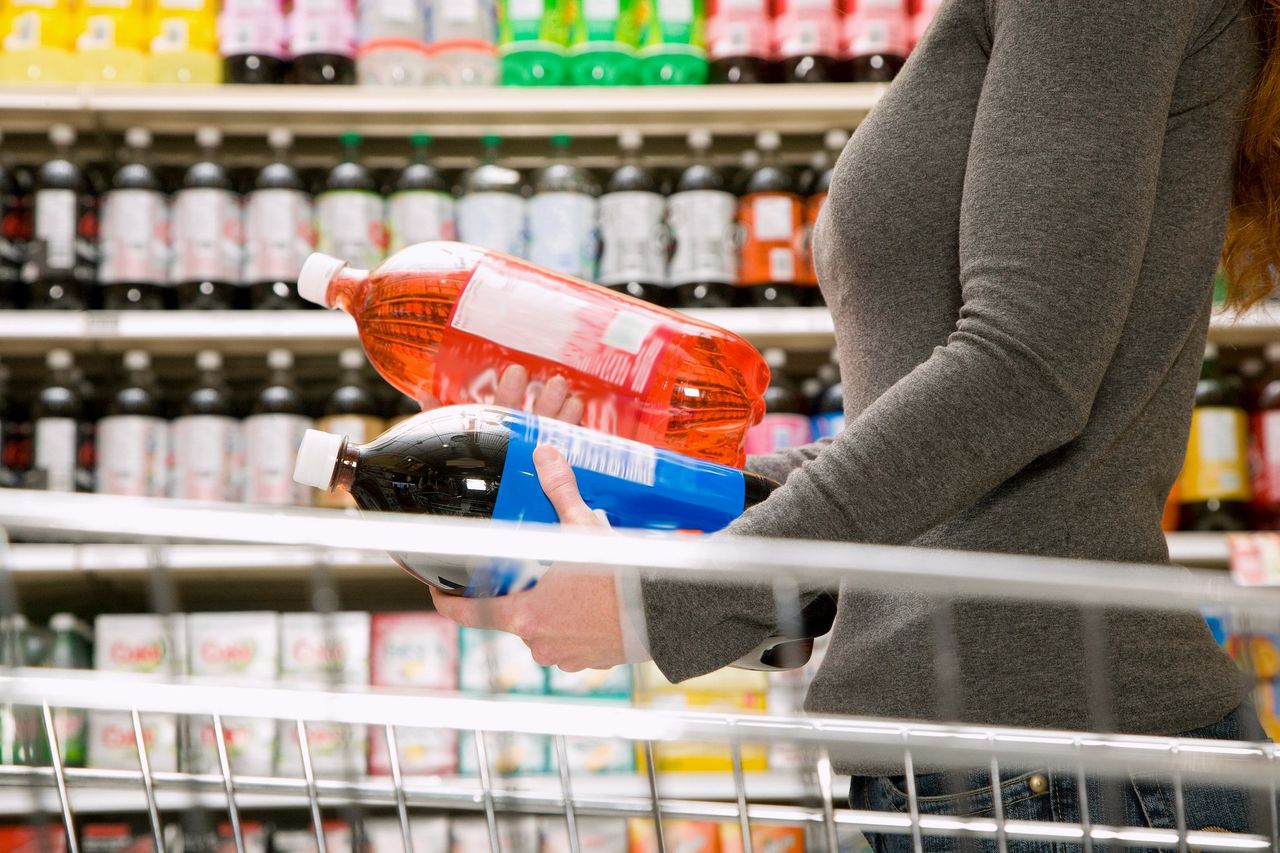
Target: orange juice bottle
x,y
37,37
110,37
184,42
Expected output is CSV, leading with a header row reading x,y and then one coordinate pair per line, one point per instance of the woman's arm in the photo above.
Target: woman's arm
x,y
778,466
1059,192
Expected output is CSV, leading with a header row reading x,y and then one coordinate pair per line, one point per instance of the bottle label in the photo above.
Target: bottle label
x,y
206,236
134,237
56,444
55,227
419,216
778,432
133,456
278,234
772,229
828,424
702,228
674,23
359,429
322,26
562,233
493,221
206,458
633,239
1217,465
1266,433
877,30
470,20
349,226
252,26
738,28
806,28
270,450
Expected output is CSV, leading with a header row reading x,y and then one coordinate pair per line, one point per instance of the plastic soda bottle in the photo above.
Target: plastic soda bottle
x,y
633,255
672,43
110,36
184,45
1214,486
207,231
491,206
207,438
531,42
602,43
444,320
134,232
393,43
738,42
252,41
875,40
322,42
563,215
834,142
806,40
701,214
771,218
785,423
349,211
351,410
462,38
69,649
421,206
271,432
38,37
133,437
278,229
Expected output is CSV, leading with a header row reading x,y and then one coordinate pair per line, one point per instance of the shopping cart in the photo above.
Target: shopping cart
x,y
825,742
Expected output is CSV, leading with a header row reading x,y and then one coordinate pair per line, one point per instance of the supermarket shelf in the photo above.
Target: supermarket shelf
x,y
1259,327
1202,550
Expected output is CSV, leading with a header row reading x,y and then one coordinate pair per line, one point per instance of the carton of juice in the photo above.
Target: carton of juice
x,y
144,643
509,753
323,651
681,836
414,650
245,648
733,691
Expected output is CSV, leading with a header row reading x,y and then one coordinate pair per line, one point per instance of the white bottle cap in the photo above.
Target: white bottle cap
x,y
137,359
279,359
768,140
317,271
351,359
836,139
137,137
1272,351
1252,367
208,359
66,622
749,159
208,137
317,459
699,138
630,140
280,137
59,359
62,134
818,161
776,358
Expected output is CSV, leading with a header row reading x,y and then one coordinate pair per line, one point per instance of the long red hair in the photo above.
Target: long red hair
x,y
1251,256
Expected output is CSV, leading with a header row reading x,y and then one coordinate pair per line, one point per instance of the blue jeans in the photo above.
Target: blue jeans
x,y
1048,794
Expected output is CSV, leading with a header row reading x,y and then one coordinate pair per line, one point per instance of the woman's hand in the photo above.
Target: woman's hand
x,y
571,619
514,391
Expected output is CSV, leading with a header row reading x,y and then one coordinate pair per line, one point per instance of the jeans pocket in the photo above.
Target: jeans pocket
x,y
1206,808
970,794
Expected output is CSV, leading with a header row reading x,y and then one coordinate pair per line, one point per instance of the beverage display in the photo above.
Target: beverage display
x,y
825,166
875,40
393,43
133,271
37,39
56,414
562,216
206,231
531,42
443,320
786,422
672,43
1214,486
477,462
351,411
206,438
253,41
69,649
133,437
415,650
278,230
771,219
322,42
144,644
420,208
349,210
110,37
828,405
806,41
271,434
602,43
921,20
462,38
184,45
633,240
738,36
1266,445
62,263
491,205
701,214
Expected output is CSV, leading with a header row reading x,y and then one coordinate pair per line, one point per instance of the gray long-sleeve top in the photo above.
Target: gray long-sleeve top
x,y
1017,249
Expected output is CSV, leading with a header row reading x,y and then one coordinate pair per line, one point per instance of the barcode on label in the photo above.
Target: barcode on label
x,y
628,332
603,454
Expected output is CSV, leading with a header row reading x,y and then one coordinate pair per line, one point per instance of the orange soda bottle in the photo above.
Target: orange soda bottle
x,y
444,319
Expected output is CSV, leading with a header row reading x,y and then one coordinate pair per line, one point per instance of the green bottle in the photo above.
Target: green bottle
x,y
602,42
673,48
22,735
70,650
531,41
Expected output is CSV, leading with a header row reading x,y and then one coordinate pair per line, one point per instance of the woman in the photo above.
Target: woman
x,y
1017,250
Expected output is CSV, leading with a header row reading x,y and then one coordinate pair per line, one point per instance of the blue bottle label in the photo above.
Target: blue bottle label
x,y
828,425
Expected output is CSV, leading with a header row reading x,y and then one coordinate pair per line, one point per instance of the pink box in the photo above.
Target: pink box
x,y
418,651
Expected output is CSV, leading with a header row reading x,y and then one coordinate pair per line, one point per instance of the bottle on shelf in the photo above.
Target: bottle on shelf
x,y
351,411
701,215
253,42
272,432
420,208
56,415
825,166
278,228
1214,486
771,220
393,43
322,42
207,457
829,420
785,423
462,39
633,242
87,431
461,314
37,39
531,42
110,37
349,211
738,42
61,266
491,204
875,40
13,242
206,231
133,436
184,42
806,40
134,232
921,20
69,648
563,214
602,43
1266,436
672,48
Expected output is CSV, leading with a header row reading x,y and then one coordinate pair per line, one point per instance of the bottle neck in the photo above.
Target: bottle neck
x,y
346,289
344,474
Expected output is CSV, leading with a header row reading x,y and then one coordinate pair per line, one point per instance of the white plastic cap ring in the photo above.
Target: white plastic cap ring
x,y
317,459
280,137
137,359
209,359
351,359
836,139
137,137
768,140
59,359
279,359
775,357
630,140
62,134
1272,352
62,622
208,137
317,271
699,138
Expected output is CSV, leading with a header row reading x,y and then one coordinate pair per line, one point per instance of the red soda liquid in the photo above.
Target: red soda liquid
x,y
445,319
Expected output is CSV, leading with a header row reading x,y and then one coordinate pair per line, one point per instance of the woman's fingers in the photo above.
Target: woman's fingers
x,y
561,487
552,398
572,411
511,387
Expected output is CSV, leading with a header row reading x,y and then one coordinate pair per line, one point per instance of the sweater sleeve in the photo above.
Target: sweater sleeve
x,y
778,466
1059,193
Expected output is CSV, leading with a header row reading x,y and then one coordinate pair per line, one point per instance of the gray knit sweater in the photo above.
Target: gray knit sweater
x,y
1017,250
